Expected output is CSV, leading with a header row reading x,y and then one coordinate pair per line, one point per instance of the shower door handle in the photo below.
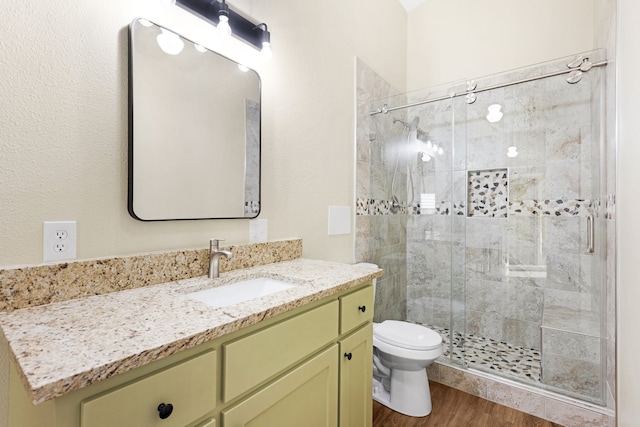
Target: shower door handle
x,y
590,234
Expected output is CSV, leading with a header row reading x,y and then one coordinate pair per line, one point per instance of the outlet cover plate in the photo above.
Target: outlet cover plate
x,y
58,241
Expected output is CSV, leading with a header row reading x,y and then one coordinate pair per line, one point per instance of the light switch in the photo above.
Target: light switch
x,y
258,230
339,220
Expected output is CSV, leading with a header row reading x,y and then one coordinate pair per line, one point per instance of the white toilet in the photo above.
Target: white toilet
x,y
401,353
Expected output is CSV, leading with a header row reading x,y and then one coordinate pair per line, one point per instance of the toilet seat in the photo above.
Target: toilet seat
x,y
407,335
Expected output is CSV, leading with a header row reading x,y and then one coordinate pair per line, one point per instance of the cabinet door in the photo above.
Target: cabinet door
x,y
356,353
306,396
255,358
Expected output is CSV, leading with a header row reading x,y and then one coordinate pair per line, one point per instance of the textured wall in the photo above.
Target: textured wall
x,y
64,122
458,39
628,204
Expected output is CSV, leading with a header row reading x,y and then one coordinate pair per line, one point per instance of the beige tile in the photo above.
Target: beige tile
x,y
512,397
433,372
573,416
464,381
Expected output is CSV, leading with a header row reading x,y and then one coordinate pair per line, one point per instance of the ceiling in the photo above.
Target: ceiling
x,y
409,5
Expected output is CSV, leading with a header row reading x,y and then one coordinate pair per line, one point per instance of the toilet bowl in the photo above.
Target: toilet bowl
x,y
401,353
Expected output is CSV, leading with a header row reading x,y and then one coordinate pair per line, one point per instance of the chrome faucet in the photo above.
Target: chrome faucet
x,y
214,257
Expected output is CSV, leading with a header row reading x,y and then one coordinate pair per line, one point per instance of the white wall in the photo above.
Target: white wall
x,y
628,204
457,39
63,127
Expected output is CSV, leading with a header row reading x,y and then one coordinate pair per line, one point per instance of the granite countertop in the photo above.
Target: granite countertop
x,y
62,347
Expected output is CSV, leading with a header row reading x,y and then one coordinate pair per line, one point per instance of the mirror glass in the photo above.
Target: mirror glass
x,y
194,130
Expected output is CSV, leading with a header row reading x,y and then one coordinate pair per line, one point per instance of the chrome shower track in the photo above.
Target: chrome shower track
x,y
385,109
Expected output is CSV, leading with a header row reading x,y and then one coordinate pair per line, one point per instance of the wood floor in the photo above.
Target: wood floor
x,y
455,408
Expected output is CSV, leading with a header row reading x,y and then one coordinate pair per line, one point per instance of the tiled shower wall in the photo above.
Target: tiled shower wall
x,y
380,236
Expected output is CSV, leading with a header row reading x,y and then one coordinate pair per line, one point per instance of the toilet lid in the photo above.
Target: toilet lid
x,y
407,335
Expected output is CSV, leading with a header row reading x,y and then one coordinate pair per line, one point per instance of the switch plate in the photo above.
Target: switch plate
x,y
58,241
339,220
258,231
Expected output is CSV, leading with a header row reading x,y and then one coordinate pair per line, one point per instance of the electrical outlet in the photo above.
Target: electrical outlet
x,y
58,241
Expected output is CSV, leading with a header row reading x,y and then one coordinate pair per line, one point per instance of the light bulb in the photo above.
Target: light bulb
x,y
512,151
429,145
266,52
223,25
169,42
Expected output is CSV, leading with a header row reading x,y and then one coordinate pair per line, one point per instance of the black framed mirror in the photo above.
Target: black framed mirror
x,y
194,130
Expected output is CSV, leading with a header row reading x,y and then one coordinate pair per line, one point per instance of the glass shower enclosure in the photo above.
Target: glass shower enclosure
x,y
487,203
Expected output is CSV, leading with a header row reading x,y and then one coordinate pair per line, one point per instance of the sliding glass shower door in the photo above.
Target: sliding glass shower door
x,y
534,269
496,186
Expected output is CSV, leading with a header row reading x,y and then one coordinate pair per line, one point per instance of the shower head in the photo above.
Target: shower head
x,y
409,126
422,135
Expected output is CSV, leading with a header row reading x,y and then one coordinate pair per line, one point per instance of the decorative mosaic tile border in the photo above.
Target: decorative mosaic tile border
x,y
488,193
385,207
556,208
32,286
571,207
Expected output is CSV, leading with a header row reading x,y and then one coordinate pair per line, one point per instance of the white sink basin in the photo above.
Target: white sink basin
x,y
238,292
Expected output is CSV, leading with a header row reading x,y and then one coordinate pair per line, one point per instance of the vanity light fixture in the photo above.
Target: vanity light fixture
x,y
223,19
229,22
266,42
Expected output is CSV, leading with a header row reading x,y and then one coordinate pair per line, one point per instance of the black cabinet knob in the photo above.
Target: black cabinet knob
x,y
348,356
362,308
164,410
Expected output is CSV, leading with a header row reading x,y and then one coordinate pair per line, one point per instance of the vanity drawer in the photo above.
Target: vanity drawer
x,y
253,359
355,309
189,386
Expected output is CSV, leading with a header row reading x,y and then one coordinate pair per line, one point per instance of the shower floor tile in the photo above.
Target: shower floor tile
x,y
509,361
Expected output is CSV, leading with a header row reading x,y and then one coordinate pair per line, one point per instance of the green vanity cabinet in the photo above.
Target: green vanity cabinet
x,y
310,366
356,308
181,394
356,350
252,359
305,396
188,381
356,378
